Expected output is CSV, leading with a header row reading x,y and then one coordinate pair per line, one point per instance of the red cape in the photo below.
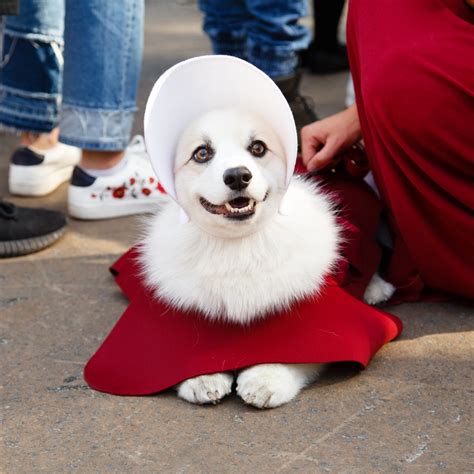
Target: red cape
x,y
153,347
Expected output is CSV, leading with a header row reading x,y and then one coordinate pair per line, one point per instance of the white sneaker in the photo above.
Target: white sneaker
x,y
132,190
35,172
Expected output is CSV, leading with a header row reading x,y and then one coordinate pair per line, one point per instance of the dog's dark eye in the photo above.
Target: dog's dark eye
x,y
257,148
203,153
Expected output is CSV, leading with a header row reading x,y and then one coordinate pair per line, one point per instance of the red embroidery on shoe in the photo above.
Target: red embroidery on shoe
x,y
133,180
93,196
146,191
119,192
160,188
152,180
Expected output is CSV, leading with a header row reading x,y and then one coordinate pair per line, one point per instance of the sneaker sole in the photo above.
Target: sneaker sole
x,y
112,210
22,183
17,248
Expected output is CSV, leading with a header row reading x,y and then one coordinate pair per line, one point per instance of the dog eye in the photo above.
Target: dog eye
x,y
202,154
257,148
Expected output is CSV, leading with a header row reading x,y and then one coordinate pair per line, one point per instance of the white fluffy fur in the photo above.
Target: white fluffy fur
x,y
243,279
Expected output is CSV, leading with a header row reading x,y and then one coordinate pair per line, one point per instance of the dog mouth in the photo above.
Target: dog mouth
x,y
239,208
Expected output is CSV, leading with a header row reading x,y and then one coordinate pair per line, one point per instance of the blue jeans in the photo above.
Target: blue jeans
x,y
264,32
90,90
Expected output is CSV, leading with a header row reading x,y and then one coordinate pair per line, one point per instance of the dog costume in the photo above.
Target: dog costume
x,y
154,346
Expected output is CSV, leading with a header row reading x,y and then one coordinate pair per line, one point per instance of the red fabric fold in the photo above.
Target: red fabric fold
x,y
153,347
415,99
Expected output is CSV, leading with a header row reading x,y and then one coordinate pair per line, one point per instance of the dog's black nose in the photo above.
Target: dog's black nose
x,y
237,178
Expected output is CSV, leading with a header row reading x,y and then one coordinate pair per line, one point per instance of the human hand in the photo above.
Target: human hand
x,y
321,141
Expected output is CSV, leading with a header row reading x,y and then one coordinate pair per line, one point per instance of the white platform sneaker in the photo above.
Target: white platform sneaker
x,y
35,172
132,190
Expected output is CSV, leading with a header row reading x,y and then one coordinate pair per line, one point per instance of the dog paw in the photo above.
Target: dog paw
x,y
206,388
268,385
378,290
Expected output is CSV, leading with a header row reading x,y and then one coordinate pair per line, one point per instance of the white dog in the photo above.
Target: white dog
x,y
251,246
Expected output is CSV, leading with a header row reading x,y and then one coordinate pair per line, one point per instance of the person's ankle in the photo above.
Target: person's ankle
x,y
41,141
100,160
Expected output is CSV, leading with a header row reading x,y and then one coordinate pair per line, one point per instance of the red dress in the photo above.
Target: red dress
x,y
413,69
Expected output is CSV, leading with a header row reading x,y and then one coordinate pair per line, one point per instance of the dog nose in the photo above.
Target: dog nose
x,y
237,178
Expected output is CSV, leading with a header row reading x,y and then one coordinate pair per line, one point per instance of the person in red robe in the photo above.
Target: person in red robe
x,y
414,82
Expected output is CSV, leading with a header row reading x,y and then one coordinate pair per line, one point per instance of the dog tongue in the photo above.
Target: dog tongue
x,y
239,202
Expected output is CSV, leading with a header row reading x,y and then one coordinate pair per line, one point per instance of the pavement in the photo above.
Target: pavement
x,y
409,411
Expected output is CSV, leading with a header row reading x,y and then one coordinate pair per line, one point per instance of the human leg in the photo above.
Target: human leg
x,y
30,97
225,23
103,52
327,15
325,54
274,35
102,61
414,99
274,41
267,34
31,67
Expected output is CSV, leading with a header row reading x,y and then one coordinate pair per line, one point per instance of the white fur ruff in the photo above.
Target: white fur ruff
x,y
248,277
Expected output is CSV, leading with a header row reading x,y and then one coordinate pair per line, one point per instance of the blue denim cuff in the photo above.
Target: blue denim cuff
x,y
96,129
20,111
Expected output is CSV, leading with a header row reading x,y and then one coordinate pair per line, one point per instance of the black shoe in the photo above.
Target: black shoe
x,y
325,61
302,107
24,230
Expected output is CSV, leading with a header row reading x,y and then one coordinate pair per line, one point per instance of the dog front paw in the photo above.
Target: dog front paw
x,y
268,385
206,388
378,290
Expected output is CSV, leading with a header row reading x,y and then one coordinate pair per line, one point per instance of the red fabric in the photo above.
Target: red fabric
x,y
414,80
152,347
359,212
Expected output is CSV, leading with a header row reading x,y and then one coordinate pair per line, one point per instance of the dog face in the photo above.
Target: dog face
x,y
230,172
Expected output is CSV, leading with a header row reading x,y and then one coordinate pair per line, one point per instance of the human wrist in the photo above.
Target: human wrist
x,y
353,124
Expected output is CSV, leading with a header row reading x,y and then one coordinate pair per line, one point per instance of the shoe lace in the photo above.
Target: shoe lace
x,y
8,210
